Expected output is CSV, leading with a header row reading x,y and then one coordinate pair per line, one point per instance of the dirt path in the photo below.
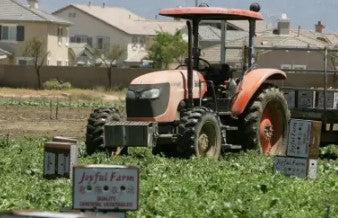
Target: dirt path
x,y
27,121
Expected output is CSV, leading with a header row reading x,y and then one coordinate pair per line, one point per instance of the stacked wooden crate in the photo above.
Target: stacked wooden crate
x,y
302,150
310,98
60,156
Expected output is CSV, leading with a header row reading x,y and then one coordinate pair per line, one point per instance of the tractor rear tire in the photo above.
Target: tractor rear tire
x,y
95,128
264,124
200,133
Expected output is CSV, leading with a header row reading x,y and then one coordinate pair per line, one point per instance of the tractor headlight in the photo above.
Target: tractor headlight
x,y
150,94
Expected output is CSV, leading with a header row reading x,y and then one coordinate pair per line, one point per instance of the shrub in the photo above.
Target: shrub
x,y
55,84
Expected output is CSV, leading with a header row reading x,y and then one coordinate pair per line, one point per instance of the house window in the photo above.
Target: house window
x,y
134,40
60,34
103,42
82,39
143,41
72,14
8,33
299,67
58,63
22,62
25,61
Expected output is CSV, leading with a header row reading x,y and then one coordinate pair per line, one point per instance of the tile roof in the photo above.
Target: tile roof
x,y
305,38
210,33
14,11
126,20
4,52
244,25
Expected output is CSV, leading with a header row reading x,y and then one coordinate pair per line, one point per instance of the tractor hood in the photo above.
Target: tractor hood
x,y
174,77
155,96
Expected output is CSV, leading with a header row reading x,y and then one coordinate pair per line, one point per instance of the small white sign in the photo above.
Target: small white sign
x,y
291,166
105,187
312,171
299,138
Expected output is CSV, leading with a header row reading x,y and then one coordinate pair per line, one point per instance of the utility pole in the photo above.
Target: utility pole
x,y
196,3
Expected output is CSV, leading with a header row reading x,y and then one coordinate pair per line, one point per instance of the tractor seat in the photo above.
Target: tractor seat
x,y
219,74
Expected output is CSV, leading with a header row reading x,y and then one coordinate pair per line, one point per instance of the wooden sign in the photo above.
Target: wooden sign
x,y
105,187
304,138
293,166
49,214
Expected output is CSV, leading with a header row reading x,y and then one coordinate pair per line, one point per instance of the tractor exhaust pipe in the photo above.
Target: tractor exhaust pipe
x,y
190,67
251,53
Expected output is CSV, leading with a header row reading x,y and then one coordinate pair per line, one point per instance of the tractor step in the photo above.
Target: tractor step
x,y
230,128
231,147
224,113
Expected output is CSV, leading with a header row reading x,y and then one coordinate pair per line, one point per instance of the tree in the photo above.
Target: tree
x,y
166,48
36,48
109,58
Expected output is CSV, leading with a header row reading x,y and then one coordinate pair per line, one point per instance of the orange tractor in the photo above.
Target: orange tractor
x,y
198,109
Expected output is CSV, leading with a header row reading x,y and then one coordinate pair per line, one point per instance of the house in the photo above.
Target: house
x,y
19,23
281,37
101,27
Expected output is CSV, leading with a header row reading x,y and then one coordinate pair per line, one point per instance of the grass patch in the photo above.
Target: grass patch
x,y
238,185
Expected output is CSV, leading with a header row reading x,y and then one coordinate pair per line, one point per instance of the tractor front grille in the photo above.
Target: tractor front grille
x,y
137,107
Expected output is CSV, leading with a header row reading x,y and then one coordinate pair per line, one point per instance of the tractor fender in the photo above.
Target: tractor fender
x,y
249,85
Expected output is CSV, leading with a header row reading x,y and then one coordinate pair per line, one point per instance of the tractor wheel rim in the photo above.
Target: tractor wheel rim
x,y
116,151
203,143
270,128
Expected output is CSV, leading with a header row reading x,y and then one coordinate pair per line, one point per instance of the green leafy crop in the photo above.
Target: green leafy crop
x,y
239,185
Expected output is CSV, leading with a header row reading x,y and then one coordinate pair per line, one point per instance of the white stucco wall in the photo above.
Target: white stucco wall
x,y
46,32
85,24
58,50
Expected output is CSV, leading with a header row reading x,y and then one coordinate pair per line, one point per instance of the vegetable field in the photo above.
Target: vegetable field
x,y
238,185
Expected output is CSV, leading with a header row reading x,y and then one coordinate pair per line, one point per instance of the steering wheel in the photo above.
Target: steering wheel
x,y
204,67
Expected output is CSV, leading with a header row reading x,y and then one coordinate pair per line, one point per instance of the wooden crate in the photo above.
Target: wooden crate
x,y
59,159
290,97
329,99
335,100
306,98
304,138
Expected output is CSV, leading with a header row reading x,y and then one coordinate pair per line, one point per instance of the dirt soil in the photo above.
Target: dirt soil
x,y
27,121
32,121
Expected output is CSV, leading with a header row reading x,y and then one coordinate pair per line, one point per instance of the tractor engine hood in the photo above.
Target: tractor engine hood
x,y
155,96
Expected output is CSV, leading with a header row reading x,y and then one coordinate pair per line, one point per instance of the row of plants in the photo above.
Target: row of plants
x,y
238,185
48,103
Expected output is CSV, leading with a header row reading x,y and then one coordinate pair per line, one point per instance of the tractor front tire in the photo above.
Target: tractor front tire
x,y
200,133
95,128
264,123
